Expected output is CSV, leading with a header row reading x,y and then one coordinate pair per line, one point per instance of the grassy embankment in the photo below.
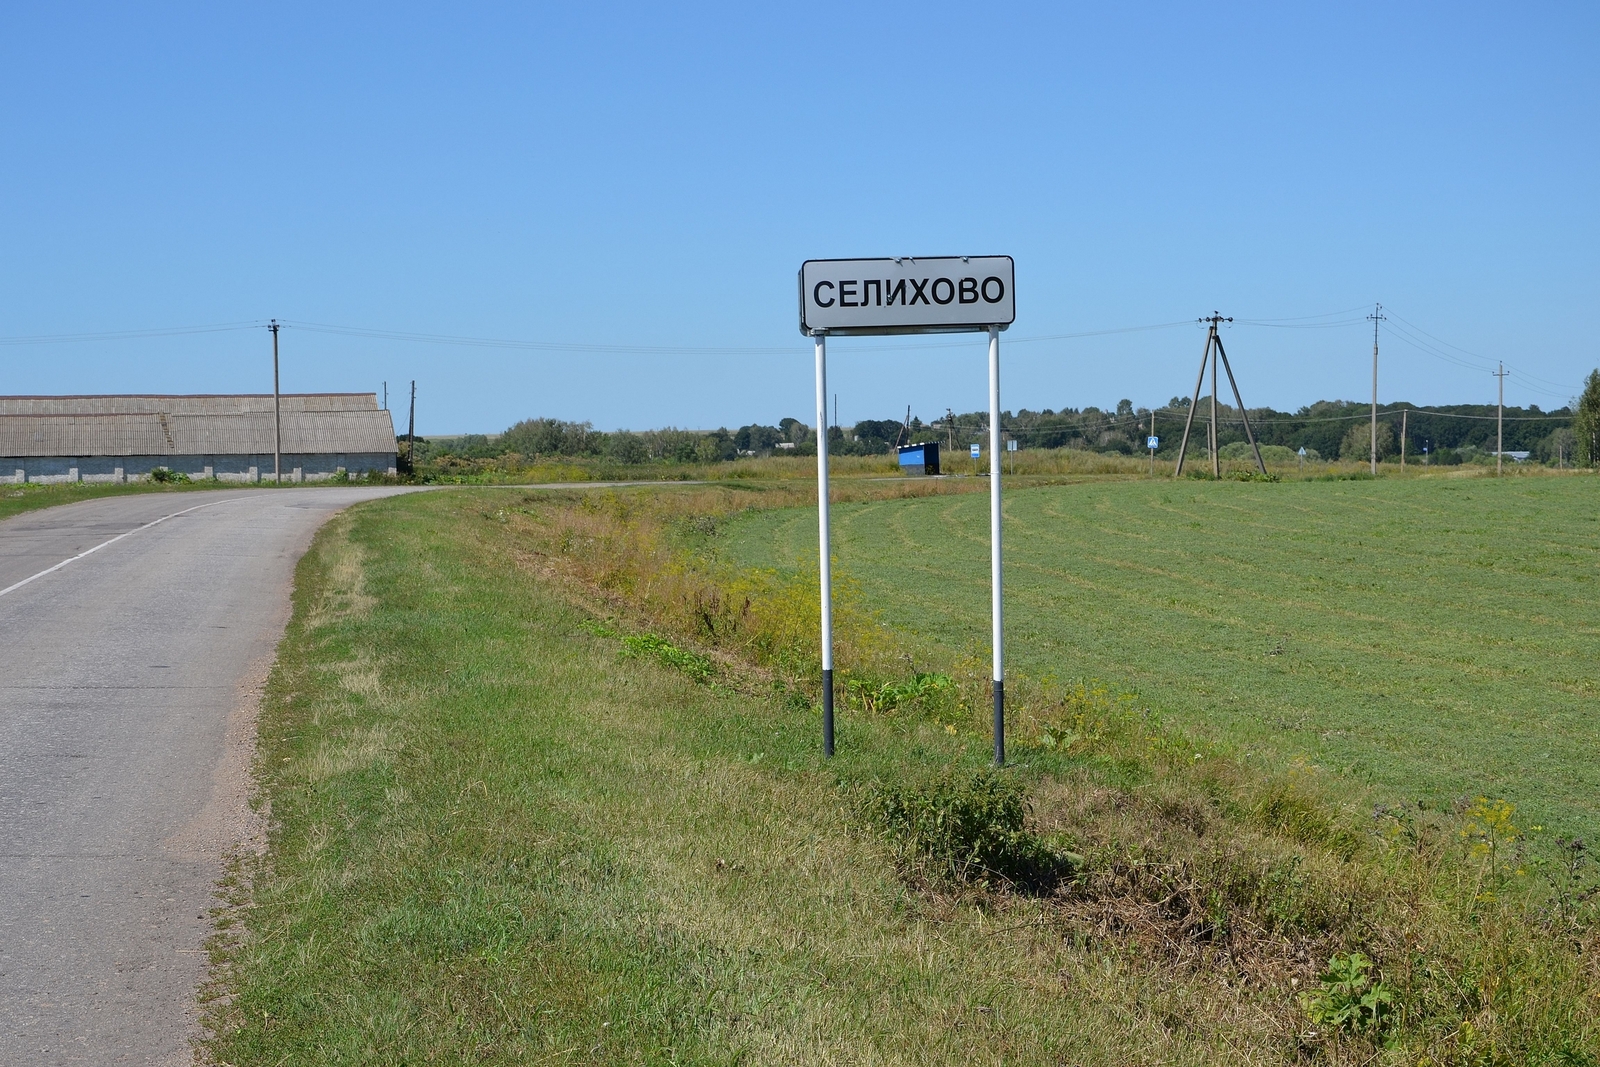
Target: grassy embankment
x,y
15,499
506,832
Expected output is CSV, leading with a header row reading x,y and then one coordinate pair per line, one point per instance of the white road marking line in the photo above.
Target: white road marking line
x,y
114,540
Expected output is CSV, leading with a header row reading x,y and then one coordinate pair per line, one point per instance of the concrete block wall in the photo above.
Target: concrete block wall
x,y
296,468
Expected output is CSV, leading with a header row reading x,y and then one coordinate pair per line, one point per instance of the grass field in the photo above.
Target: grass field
x,y
1433,637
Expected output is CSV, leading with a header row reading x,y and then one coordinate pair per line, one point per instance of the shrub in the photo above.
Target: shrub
x,y
1586,426
969,829
1237,450
1357,442
167,474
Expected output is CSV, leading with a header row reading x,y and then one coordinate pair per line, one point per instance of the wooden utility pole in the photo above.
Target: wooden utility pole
x,y
1500,424
1377,316
1403,413
411,430
1213,350
277,412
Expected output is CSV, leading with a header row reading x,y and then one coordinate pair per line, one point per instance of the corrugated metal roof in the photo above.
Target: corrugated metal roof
x,y
193,404
191,425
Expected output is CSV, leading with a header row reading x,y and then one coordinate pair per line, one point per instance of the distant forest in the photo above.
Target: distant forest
x,y
1328,429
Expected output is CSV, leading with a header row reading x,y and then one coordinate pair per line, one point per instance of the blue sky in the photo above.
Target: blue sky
x,y
649,178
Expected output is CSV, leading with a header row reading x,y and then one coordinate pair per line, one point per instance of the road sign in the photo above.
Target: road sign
x,y
949,294
905,295
1152,442
1302,450
1011,445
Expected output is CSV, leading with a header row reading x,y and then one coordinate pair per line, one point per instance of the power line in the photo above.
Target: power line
x,y
129,335
567,346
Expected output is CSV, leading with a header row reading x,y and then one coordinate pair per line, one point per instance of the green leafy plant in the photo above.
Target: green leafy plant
x,y
920,688
167,474
970,829
1347,997
649,646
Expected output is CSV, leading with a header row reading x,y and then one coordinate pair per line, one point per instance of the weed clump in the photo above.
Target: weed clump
x,y
649,646
1347,997
969,829
922,689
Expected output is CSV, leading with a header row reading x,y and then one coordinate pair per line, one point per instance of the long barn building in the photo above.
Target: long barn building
x,y
227,438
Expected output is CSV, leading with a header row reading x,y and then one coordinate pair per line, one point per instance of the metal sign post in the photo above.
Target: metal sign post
x,y
998,636
1152,443
977,452
866,297
825,555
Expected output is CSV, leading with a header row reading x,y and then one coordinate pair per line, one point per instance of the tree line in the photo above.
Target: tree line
x,y
1327,429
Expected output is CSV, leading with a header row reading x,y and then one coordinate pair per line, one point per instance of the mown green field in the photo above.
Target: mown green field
x,y
1433,637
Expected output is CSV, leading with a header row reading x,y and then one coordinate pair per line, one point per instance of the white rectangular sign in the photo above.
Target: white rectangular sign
x,y
881,296
976,452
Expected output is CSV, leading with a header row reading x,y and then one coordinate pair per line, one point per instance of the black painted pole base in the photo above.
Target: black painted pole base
x,y
827,713
999,724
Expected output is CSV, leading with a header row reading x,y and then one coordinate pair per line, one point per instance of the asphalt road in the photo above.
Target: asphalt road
x,y
128,681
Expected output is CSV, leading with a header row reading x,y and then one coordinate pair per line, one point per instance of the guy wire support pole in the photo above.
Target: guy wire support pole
x,y
824,561
1207,355
1211,429
277,412
1188,422
994,548
411,430
1403,413
1377,316
1237,399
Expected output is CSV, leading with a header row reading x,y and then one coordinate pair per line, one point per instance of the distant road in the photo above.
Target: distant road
x,y
127,686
